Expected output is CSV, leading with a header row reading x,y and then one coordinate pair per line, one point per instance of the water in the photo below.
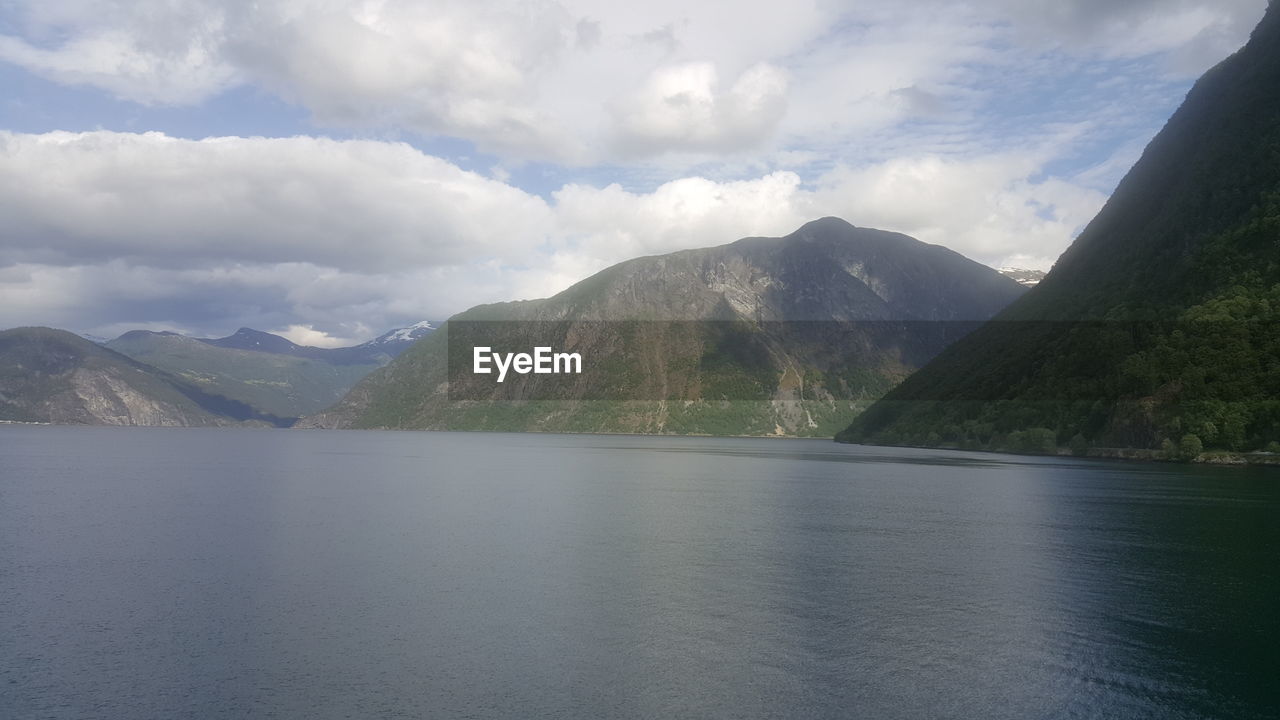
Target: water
x,y
152,573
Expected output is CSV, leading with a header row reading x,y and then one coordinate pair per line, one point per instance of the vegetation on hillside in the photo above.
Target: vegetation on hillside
x,y
763,336
1159,329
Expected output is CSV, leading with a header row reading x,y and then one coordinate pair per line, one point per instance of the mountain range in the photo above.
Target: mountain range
x,y
54,376
763,336
163,378
1157,332
378,351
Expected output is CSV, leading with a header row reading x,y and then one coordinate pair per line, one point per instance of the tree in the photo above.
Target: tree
x,y
1190,447
1079,446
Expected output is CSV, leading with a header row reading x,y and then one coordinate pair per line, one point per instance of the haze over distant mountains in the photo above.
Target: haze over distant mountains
x,y
790,335
378,351
163,378
1159,328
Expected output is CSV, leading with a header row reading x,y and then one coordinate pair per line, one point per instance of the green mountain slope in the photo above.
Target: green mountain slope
x,y
275,383
1159,328
57,377
763,336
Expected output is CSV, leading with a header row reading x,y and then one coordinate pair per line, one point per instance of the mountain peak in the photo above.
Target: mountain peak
x,y
828,223
804,329
249,339
393,341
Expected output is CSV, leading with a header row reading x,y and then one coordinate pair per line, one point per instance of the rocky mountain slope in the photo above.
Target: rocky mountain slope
x,y
1159,328
269,373
57,377
788,335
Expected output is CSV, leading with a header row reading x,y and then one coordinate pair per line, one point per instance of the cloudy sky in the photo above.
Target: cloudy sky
x,y
329,169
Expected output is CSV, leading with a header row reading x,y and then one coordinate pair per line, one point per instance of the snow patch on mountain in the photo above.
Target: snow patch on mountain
x,y
405,334
1023,276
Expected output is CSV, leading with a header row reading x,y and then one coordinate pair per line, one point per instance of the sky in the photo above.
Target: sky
x,y
330,169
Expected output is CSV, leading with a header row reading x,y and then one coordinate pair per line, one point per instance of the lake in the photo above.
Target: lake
x,y
171,573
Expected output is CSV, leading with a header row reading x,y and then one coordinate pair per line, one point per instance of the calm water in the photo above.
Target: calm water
x,y
224,573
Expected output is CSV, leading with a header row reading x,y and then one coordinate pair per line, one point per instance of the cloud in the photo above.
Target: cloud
x,y
456,68
359,205
994,127
989,208
347,239
611,224
170,54
588,81
1194,33
682,108
308,335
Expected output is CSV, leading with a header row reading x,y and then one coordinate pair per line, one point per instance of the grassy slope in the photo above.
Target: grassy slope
x,y
280,385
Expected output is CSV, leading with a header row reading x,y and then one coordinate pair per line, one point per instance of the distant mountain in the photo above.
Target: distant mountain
x,y
265,371
264,342
378,351
394,342
1030,278
55,376
256,340
1159,328
762,336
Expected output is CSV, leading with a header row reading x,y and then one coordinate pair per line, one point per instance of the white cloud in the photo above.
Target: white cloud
x,y
149,52
456,67
988,208
346,239
589,81
308,335
356,204
682,108
1195,33
729,117
611,224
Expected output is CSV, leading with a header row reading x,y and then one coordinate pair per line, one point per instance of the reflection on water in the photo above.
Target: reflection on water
x,y
190,573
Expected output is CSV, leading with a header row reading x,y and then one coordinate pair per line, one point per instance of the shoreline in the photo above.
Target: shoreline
x,y
1212,457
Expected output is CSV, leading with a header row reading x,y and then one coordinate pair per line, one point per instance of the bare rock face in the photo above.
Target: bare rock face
x,y
106,398
763,336
57,377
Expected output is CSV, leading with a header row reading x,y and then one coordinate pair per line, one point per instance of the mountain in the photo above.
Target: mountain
x,y
1030,278
258,341
58,377
790,335
280,378
1159,328
394,342
378,351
